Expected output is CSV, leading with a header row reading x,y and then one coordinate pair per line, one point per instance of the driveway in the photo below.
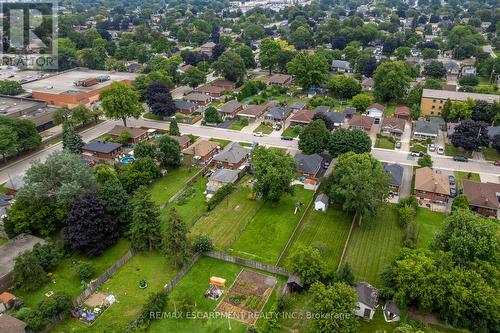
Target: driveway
x,y
405,189
373,133
406,137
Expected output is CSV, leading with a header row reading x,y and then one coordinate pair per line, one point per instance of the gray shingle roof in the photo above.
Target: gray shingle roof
x,y
233,153
396,172
184,105
279,113
493,130
336,117
308,163
322,198
104,147
349,110
341,64
367,294
422,126
391,307
322,108
225,176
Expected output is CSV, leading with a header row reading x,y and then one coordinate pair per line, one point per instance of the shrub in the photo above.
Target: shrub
x,y
202,243
406,215
409,200
49,254
411,235
85,271
28,273
35,321
219,196
52,306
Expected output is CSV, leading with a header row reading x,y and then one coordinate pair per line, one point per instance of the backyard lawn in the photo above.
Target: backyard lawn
x,y
226,221
239,124
124,285
460,175
385,143
374,244
266,235
165,187
290,131
451,150
416,147
65,277
264,128
222,142
193,286
429,223
326,231
490,154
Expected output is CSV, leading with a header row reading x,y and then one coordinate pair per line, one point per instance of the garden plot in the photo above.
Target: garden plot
x,y
247,296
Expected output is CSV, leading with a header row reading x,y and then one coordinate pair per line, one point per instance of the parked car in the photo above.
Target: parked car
x,y
398,145
451,179
259,134
417,154
497,163
326,164
453,192
432,147
287,138
440,150
459,158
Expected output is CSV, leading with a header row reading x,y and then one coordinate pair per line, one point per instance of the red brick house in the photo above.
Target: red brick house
x,y
185,107
200,152
231,108
210,90
484,198
431,188
136,134
302,118
227,85
283,80
232,157
183,140
102,150
198,98
403,112
361,122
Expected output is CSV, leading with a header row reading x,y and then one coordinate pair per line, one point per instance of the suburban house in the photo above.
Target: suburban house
x,y
308,165
302,118
278,113
341,66
200,152
232,157
321,203
431,188
210,90
493,131
7,301
391,312
337,118
252,112
349,111
403,112
198,98
185,107
102,149
136,134
297,106
376,111
396,172
423,130
392,127
10,324
183,140
207,48
468,70
283,80
322,108
367,300
432,101
220,178
227,85
231,108
367,84
364,123
452,70
484,198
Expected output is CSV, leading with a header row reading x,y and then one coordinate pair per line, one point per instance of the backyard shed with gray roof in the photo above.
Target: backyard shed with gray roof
x,y
321,203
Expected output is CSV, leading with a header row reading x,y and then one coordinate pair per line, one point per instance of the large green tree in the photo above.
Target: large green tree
x,y
169,153
314,138
274,172
194,77
145,230
308,70
8,141
28,273
120,101
269,53
392,80
230,65
308,264
8,87
116,203
175,240
343,140
359,183
344,86
72,141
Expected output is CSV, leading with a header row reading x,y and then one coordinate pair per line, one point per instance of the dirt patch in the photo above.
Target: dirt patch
x,y
96,299
247,296
428,318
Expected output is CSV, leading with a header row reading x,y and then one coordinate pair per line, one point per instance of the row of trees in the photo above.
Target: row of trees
x,y
17,135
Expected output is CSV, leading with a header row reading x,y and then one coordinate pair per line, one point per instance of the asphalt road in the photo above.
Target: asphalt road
x,y
390,156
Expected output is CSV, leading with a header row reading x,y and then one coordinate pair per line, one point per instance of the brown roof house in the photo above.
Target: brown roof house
x,y
198,98
252,112
210,90
102,150
231,108
367,84
280,80
207,48
200,152
227,85
232,157
392,127
361,122
183,140
403,112
9,324
136,134
431,189
484,198
302,118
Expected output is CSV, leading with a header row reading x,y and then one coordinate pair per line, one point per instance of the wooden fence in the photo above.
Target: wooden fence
x,y
92,287
189,182
249,263
172,283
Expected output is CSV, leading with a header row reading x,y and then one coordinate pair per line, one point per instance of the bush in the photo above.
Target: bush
x,y
85,271
52,306
49,254
202,243
155,303
35,321
219,196
411,235
28,273
406,215
409,200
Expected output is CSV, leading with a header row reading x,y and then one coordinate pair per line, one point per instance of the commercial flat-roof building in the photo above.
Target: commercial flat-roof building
x,y
74,87
25,108
433,100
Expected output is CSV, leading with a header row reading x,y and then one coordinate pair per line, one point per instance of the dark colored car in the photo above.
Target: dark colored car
x,y
497,163
287,138
451,179
459,158
453,192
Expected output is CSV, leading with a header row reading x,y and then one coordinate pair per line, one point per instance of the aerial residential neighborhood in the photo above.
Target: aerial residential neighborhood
x,y
250,166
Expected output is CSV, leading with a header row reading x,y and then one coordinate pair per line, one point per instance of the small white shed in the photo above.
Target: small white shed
x,y
321,203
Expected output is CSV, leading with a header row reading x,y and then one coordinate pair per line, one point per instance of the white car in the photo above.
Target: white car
x,y
440,150
432,147
259,134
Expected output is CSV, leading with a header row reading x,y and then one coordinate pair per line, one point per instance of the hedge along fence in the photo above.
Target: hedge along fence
x,y
188,183
92,287
186,268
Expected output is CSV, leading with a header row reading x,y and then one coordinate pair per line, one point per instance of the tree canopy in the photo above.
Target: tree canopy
x,y
308,70
314,138
120,101
392,80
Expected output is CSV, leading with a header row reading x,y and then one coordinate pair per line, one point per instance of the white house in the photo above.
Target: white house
x,y
321,203
376,111
391,312
367,300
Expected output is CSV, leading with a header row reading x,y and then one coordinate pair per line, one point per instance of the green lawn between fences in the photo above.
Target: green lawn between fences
x,y
65,277
290,131
460,175
193,287
124,284
374,244
327,231
222,142
417,147
490,154
239,124
385,143
266,235
429,224
152,116
165,187
451,150
264,128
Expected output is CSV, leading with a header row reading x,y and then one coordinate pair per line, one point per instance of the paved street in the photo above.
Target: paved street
x,y
384,155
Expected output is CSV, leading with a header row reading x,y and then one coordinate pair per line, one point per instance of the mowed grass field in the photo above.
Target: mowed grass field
x,y
124,284
227,220
429,224
266,235
326,230
374,244
165,187
193,286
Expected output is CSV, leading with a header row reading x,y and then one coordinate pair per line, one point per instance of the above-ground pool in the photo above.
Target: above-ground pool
x,y
128,159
